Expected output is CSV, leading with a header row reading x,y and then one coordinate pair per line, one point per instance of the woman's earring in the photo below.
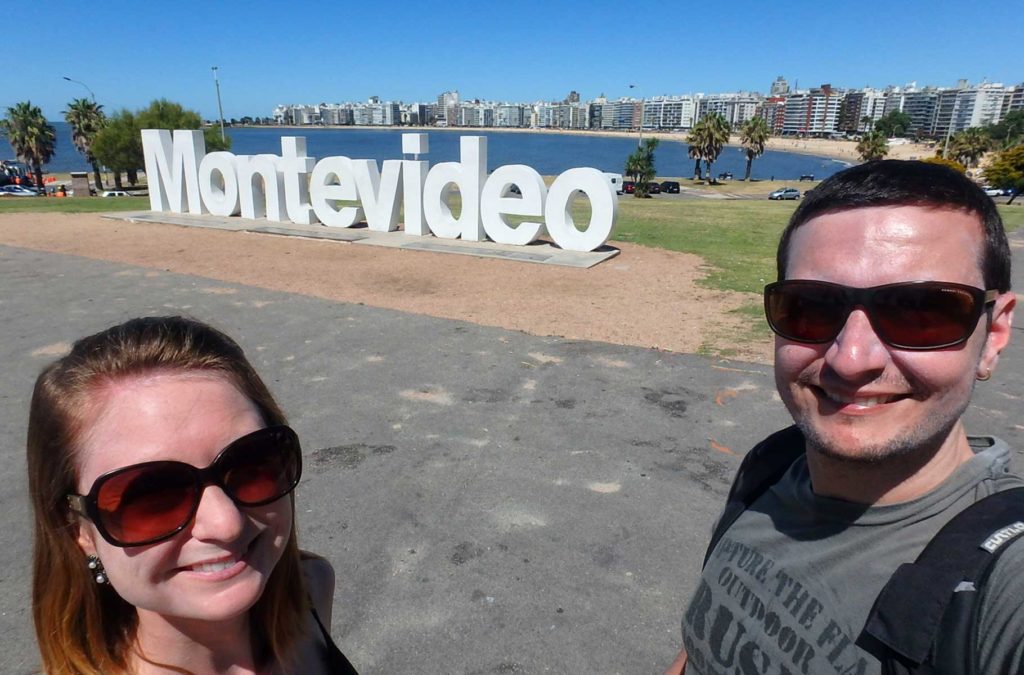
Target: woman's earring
x,y
96,569
986,376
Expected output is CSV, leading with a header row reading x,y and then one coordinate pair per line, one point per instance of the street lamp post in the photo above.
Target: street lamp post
x,y
220,108
92,95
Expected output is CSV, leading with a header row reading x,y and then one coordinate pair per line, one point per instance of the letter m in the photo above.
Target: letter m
x,y
172,169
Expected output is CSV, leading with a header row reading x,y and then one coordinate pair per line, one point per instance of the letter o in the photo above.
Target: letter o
x,y
220,202
558,210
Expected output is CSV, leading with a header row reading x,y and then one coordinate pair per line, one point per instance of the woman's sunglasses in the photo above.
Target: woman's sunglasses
x,y
149,502
917,315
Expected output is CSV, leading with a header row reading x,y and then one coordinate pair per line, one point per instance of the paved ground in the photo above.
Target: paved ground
x,y
493,502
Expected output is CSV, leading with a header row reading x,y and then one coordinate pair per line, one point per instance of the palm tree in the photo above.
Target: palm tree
x,y
32,137
969,145
693,148
868,122
753,136
873,146
706,139
86,118
640,166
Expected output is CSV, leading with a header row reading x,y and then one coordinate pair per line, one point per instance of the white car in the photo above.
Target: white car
x,y
17,191
115,193
992,191
785,193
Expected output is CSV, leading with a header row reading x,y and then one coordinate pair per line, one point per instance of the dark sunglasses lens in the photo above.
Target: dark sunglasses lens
x,y
262,467
146,502
920,316
806,312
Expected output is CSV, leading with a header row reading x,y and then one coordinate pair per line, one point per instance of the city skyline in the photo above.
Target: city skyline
x,y
267,55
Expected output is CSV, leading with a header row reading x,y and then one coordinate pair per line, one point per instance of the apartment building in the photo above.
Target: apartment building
x,y
814,113
509,115
773,111
819,111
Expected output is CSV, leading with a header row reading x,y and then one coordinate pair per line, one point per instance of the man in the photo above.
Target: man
x,y
893,300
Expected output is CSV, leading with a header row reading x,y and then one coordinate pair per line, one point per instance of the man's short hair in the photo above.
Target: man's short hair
x,y
893,182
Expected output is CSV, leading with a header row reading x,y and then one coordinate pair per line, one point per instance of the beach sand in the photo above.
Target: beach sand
x,y
820,147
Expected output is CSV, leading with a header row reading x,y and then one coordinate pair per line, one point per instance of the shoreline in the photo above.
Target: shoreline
x,y
815,147
841,150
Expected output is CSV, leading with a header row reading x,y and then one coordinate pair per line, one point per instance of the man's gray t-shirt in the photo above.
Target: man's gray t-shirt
x,y
790,585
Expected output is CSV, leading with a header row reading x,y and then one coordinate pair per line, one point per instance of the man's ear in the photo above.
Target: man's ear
x,y
999,331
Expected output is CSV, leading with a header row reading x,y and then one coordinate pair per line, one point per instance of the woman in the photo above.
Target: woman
x,y
161,474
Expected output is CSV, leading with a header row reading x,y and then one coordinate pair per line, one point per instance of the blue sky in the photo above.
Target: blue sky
x,y
130,53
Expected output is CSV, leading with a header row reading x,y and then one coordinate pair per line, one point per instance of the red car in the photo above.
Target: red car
x,y
628,186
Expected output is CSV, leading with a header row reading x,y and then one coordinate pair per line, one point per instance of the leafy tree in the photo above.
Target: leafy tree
x,y
33,139
868,122
1009,132
86,119
951,163
164,114
640,166
872,146
118,146
969,145
706,139
1007,171
893,124
753,136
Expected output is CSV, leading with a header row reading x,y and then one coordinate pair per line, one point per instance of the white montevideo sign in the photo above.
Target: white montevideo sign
x,y
340,192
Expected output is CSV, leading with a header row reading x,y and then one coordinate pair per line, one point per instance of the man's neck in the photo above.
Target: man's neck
x,y
889,481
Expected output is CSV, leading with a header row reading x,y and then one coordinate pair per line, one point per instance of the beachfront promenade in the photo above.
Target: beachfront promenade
x,y
493,502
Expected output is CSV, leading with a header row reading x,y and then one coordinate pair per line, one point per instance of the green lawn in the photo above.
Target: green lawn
x,y
736,238
72,204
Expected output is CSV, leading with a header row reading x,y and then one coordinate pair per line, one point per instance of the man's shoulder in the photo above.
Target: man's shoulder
x,y
999,629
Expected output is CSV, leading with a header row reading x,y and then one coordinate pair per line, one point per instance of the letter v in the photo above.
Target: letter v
x,y
380,194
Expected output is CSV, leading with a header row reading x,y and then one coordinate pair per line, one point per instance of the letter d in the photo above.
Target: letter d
x,y
468,175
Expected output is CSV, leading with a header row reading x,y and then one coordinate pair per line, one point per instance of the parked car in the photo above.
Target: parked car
x,y
653,188
994,191
784,193
628,186
807,176
115,193
670,187
17,191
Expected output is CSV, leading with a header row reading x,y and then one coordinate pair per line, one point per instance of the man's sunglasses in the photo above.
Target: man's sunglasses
x,y
917,315
150,502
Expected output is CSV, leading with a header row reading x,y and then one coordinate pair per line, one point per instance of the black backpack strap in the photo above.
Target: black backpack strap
x,y
762,468
924,617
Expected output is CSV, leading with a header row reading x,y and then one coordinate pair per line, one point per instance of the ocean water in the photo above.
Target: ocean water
x,y
549,154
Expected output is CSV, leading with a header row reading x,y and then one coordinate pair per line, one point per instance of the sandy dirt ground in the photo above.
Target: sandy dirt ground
x,y
643,297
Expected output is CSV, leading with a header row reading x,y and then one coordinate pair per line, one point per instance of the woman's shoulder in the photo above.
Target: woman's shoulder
x,y
319,577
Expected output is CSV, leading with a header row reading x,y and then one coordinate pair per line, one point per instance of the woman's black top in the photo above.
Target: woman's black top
x,y
336,662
